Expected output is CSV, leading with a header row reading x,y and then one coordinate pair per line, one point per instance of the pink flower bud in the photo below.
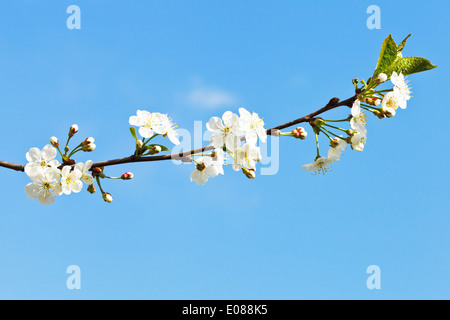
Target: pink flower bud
x,y
127,176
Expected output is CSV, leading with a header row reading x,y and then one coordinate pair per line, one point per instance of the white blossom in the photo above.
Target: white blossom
x,y
358,120
321,164
401,85
358,141
252,126
392,100
86,177
70,180
154,123
40,159
45,185
166,127
246,157
334,154
226,131
204,169
218,160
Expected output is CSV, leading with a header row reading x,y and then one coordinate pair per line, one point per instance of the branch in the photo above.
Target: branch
x,y
333,103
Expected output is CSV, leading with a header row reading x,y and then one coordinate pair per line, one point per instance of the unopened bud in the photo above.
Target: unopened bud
x,y
88,140
249,173
382,77
91,188
88,147
73,129
379,114
334,143
139,144
96,171
154,150
388,112
127,176
54,141
69,161
107,197
299,133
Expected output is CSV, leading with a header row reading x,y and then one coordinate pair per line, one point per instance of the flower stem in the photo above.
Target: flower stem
x,y
99,184
324,132
317,144
342,120
149,139
329,125
332,133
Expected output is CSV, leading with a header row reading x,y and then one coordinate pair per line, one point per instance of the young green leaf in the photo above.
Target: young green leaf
x,y
410,65
388,55
401,46
133,132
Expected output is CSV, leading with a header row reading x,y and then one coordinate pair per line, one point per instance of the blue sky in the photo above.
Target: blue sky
x,y
285,236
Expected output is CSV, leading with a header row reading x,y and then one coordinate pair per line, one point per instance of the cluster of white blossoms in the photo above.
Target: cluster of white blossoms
x,y
48,180
228,134
154,123
369,100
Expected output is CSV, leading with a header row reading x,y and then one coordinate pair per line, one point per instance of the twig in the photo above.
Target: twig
x,y
333,103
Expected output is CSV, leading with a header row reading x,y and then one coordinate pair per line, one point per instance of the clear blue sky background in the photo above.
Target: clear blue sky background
x,y
287,236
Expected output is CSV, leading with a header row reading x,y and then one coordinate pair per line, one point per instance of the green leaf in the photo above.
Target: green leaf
x,y
410,65
388,55
163,148
133,132
401,46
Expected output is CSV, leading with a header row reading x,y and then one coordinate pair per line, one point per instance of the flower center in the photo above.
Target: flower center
x,y
256,123
362,118
43,163
226,130
46,185
392,102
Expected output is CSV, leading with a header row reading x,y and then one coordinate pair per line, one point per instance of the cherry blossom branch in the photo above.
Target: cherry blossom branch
x,y
333,103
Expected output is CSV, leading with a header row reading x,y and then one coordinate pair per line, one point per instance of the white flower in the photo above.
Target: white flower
x,y
218,160
321,164
146,121
246,157
40,159
358,141
358,120
226,132
401,85
204,169
166,127
334,154
70,180
252,126
86,177
392,100
154,123
45,185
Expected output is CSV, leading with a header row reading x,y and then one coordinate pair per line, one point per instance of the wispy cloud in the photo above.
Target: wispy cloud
x,y
208,97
